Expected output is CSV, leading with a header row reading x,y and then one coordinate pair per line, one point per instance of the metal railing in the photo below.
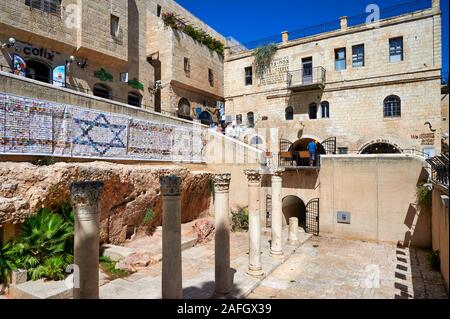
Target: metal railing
x,y
439,169
305,77
385,13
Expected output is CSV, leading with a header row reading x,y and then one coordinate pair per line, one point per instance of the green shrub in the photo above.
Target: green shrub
x,y
424,196
134,83
8,262
109,267
44,248
240,220
149,218
103,75
435,260
263,56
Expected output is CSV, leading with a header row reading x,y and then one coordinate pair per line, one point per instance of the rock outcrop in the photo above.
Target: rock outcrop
x,y
130,190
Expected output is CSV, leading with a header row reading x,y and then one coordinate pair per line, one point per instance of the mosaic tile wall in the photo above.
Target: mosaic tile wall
x,y
36,127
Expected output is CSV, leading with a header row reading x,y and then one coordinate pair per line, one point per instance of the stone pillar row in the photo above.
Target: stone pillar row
x,y
85,202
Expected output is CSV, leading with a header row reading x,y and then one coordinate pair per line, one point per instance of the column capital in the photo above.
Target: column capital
x,y
278,172
253,176
85,195
222,182
170,185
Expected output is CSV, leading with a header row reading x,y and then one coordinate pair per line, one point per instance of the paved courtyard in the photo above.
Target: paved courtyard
x,y
198,272
328,268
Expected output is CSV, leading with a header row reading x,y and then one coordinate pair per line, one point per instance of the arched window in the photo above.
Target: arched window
x,y
289,113
392,106
325,106
257,142
184,109
103,91
134,99
38,71
313,111
251,119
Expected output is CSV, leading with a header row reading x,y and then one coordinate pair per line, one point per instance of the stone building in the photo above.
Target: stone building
x,y
358,88
114,49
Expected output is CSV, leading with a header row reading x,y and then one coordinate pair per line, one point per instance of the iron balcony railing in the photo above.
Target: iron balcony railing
x,y
439,169
306,77
357,20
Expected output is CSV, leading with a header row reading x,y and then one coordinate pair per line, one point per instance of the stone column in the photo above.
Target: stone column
x,y
172,287
276,247
254,221
85,203
222,237
293,231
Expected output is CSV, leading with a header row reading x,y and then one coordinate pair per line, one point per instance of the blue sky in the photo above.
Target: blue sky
x,y
249,20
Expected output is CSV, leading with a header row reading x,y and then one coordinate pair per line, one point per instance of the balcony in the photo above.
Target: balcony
x,y
306,79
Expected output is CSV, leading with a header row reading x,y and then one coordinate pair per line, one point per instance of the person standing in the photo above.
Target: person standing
x,y
312,148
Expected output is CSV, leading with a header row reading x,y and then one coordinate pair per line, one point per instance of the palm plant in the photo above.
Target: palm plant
x,y
8,262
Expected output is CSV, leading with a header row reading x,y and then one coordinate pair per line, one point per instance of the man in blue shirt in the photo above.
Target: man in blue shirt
x,y
312,147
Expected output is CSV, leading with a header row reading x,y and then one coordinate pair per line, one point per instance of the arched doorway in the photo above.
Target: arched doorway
x,y
134,99
103,91
184,109
38,71
205,118
381,148
294,207
300,149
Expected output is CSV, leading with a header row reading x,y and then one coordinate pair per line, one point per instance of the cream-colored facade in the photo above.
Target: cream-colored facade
x,y
355,95
128,39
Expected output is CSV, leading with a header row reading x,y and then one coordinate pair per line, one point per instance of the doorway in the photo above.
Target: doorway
x,y
38,71
307,73
293,206
381,148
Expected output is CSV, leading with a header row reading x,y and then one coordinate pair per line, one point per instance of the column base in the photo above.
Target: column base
x,y
293,242
255,272
276,254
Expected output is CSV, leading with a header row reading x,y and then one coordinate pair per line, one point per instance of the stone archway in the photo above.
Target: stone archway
x,y
380,148
38,71
184,109
293,206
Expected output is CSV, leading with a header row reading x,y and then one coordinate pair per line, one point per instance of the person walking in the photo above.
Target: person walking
x,y
312,148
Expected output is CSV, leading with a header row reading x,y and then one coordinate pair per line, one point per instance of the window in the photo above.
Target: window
x,y
249,76
211,77
239,119
134,99
289,113
158,10
187,65
396,49
358,56
103,91
342,150
251,119
114,25
340,59
392,106
313,111
325,107
48,6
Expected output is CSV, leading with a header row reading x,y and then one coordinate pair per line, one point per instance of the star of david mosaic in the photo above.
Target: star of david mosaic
x,y
96,134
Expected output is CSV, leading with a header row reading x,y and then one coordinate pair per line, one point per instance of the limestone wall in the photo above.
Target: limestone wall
x,y
171,47
129,192
355,95
380,194
440,228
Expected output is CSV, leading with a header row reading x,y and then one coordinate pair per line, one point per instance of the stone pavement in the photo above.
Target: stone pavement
x,y
327,268
198,272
